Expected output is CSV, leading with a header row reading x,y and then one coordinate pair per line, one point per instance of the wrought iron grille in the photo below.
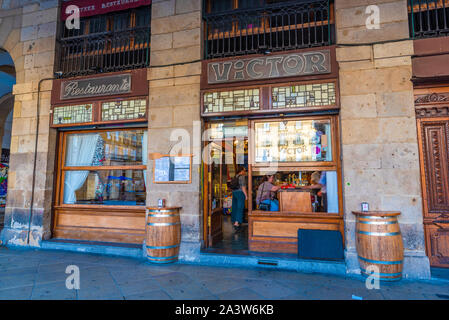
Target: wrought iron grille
x,y
273,27
428,18
107,43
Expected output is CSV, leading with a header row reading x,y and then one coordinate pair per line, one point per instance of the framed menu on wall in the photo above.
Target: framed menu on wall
x,y
172,169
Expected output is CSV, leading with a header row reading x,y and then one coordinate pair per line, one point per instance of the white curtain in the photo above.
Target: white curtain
x,y
332,191
145,154
80,152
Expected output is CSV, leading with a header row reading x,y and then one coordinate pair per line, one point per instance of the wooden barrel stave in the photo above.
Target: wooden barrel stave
x,y
163,235
379,244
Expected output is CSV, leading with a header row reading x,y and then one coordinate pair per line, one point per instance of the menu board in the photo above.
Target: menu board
x,y
172,169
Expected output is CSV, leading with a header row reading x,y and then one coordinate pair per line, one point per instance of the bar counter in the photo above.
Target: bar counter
x,y
277,231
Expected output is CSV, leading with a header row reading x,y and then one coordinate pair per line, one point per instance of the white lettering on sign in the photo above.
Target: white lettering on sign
x,y
96,87
286,65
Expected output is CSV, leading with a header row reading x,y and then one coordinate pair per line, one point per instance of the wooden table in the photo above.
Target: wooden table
x,y
295,200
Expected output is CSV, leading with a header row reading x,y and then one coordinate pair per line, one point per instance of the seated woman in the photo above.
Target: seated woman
x,y
318,184
265,193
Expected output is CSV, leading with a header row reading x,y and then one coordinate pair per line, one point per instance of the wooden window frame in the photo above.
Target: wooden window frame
x,y
334,165
61,169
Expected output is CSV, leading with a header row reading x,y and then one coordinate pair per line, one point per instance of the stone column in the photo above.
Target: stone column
x,y
379,139
174,107
30,40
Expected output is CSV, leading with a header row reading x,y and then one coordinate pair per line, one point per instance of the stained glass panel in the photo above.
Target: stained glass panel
x,y
307,95
124,110
227,101
72,114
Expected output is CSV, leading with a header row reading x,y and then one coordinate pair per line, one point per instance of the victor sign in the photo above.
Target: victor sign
x,y
94,87
268,67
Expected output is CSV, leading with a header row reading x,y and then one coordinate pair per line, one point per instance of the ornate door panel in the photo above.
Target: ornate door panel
x,y
435,136
432,112
437,240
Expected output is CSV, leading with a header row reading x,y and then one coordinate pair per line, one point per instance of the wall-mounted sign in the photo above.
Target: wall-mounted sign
x,y
95,87
96,7
273,66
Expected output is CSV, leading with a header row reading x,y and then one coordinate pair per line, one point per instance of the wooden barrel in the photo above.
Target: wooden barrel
x,y
163,234
379,245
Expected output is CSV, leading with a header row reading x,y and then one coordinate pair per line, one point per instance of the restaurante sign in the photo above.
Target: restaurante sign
x,y
93,87
96,7
267,67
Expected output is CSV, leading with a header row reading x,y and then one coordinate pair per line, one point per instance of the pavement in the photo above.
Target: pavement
x,y
41,274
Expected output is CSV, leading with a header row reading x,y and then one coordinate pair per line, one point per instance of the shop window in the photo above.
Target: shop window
x,y
123,110
315,191
228,101
293,141
72,114
105,168
307,95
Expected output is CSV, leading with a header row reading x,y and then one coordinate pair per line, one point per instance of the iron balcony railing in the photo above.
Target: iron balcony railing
x,y
105,52
428,18
276,27
106,43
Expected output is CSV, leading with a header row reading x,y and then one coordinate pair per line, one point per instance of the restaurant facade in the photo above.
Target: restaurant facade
x,y
340,113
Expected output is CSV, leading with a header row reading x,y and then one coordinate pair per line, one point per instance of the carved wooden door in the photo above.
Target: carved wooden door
x,y
433,136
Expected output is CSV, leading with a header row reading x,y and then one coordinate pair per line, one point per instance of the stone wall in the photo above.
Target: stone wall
x,y
27,32
174,95
379,140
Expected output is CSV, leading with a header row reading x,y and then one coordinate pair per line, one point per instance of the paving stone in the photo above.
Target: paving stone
x,y
53,291
240,294
98,291
62,266
173,279
191,291
49,277
221,285
323,293
134,287
268,289
19,293
31,274
18,280
18,271
151,295
295,296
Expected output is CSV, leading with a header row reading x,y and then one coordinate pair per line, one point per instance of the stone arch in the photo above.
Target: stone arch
x,y
7,77
6,106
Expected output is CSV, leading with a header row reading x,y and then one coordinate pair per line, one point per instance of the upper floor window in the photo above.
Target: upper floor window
x,y
109,42
428,18
241,27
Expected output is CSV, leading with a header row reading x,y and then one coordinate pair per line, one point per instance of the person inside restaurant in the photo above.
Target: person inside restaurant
x,y
266,192
291,187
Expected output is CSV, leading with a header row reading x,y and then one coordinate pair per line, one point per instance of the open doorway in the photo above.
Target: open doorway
x,y
7,80
227,149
